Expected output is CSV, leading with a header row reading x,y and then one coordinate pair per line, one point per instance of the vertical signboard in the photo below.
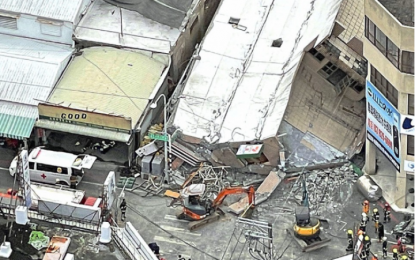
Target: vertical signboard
x,y
383,125
407,125
26,178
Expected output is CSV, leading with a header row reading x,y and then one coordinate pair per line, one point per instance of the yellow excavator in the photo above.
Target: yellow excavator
x,y
306,229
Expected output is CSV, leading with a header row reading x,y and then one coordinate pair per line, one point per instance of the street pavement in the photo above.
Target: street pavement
x,y
157,223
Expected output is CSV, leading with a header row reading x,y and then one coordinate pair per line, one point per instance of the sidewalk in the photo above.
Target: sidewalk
x,y
385,178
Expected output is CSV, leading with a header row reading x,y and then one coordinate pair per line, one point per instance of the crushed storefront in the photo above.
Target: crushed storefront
x,y
100,105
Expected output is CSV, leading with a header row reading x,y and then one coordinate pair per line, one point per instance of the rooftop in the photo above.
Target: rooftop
x,y
168,12
109,24
28,71
239,89
402,10
110,81
61,10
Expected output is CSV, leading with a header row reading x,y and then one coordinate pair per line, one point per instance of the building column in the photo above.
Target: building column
x,y
401,189
370,158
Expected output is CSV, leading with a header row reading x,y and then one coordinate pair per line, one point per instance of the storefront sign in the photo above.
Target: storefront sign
x,y
250,151
24,159
409,166
383,125
84,118
407,125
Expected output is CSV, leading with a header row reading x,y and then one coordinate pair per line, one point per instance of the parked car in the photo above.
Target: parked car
x,y
405,229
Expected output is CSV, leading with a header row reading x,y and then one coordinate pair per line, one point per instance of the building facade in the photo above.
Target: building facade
x,y
389,48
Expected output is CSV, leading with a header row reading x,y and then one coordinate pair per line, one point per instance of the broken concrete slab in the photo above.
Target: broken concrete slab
x,y
263,192
228,155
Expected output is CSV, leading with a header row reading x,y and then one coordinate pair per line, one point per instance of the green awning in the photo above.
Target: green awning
x,y
16,127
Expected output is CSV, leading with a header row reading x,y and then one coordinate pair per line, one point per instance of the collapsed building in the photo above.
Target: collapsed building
x,y
231,105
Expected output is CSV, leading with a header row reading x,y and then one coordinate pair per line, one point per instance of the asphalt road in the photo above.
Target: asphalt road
x,y
221,240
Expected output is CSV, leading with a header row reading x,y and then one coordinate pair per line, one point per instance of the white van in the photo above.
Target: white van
x,y
55,167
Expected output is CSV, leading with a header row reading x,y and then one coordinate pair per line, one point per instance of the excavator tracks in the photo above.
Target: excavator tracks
x,y
308,245
197,224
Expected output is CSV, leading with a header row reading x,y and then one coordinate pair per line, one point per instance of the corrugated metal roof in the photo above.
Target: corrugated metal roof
x,y
29,70
16,120
239,89
103,24
63,10
109,80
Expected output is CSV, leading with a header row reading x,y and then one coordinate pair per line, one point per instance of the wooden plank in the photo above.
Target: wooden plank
x,y
262,193
172,194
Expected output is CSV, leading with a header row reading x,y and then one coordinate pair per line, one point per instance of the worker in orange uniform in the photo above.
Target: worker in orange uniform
x,y
366,207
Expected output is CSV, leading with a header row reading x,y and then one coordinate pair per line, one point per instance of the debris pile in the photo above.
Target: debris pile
x,y
327,189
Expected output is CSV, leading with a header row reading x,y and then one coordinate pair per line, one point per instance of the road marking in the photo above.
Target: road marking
x,y
6,169
174,218
172,241
180,230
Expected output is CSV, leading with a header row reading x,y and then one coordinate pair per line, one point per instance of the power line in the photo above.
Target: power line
x,y
171,234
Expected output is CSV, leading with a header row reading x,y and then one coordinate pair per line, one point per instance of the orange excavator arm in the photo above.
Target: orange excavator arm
x,y
250,191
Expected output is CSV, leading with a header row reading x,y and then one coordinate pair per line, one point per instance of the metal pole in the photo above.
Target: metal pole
x,y
166,161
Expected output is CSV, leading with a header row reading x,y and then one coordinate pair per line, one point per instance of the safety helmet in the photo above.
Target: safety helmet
x,y
366,202
350,232
364,215
384,238
404,257
395,250
364,218
375,210
367,238
386,205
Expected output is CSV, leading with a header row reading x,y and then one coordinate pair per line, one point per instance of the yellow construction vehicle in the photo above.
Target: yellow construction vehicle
x,y
306,229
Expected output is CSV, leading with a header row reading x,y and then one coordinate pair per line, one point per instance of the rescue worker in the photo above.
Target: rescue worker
x,y
387,213
350,240
72,181
123,208
375,257
363,255
395,254
366,245
381,232
363,224
385,247
376,226
375,214
366,207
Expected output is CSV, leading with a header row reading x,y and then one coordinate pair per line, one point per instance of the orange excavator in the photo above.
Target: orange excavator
x,y
201,212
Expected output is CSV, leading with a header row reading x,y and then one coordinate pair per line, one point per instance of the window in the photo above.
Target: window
x,y
328,69
383,43
392,53
370,30
51,168
8,22
31,165
411,104
383,85
316,54
380,40
407,64
410,145
351,83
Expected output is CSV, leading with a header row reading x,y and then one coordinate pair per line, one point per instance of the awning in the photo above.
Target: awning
x,y
16,127
84,130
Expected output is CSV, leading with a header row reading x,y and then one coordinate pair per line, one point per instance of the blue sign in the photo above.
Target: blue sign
x,y
383,125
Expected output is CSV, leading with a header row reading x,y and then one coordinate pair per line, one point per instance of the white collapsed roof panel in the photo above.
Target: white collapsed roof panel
x,y
239,89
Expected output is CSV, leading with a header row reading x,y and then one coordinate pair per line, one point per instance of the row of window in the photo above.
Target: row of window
x,y
403,60
384,86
